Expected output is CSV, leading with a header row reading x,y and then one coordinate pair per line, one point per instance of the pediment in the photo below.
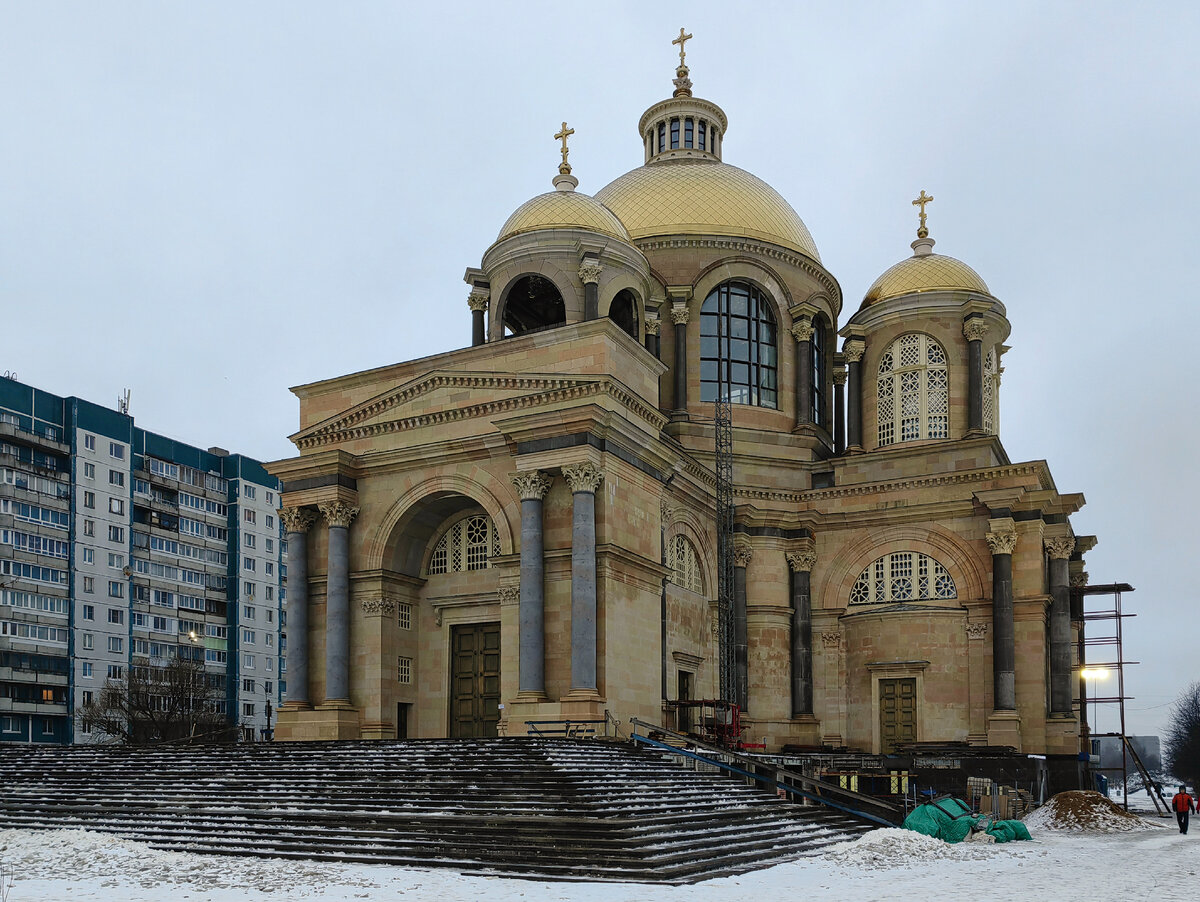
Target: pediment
x,y
440,396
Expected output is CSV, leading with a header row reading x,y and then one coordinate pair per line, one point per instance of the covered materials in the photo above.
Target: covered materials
x,y
953,821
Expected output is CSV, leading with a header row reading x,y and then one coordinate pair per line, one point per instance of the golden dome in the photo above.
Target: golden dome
x,y
704,197
563,210
924,272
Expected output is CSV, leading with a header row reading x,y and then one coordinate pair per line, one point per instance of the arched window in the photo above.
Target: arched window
x,y
903,576
914,393
818,371
533,303
685,565
737,346
623,311
991,393
466,545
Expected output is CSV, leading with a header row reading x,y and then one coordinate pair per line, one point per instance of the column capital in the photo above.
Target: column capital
x,y
532,485
1002,542
801,561
666,513
1060,547
839,377
854,349
584,477
377,606
975,329
297,519
478,299
653,324
509,594
589,272
338,513
802,330
680,314
1079,580
742,554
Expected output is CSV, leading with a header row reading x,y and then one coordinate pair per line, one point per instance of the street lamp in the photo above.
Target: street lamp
x,y
1095,674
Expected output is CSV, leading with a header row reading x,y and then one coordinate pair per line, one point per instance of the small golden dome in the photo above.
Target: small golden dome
x,y
704,197
563,210
924,272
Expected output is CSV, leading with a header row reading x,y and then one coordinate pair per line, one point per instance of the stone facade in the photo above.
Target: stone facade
x,y
552,485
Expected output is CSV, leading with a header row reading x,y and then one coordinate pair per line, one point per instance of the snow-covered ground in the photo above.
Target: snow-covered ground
x,y
1157,864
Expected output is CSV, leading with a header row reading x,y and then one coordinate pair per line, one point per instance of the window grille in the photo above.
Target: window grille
x,y
913,391
737,346
685,565
403,670
405,616
903,576
466,545
991,392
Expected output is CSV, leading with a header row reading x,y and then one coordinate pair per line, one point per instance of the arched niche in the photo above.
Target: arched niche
x,y
532,303
624,312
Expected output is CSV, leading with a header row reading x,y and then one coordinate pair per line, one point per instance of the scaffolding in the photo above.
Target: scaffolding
x,y
723,465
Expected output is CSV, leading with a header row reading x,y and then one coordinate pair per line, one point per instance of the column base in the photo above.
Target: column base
x,y
295,706
378,730
854,449
1004,728
679,416
324,723
1062,734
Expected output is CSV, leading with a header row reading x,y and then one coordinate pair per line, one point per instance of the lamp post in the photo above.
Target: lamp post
x,y
1095,674
195,640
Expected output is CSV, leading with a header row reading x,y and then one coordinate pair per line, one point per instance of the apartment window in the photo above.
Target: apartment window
x,y
115,671
89,500
269,593
270,522
89,611
116,644
89,442
87,696
89,670
270,497
268,687
47,726
248,589
404,670
116,451
248,662
248,636
247,685
116,534
116,506
137,620
249,516
270,546
247,709
248,491
268,640
116,561
159,625
248,612
88,641
270,663
87,555
248,563
116,615
9,725
249,540
89,471
89,586
268,568
270,616
116,477
116,589
405,619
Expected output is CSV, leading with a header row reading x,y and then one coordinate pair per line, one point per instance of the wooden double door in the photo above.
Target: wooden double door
x,y
897,712
474,680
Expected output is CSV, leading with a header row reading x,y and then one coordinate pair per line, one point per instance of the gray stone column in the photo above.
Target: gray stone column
x,y
741,652
653,327
338,516
296,522
974,329
477,300
839,411
583,479
532,487
801,563
1003,627
589,274
679,317
802,331
853,351
1059,549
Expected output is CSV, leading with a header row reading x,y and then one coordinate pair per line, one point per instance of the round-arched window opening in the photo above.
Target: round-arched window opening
x,y
533,303
737,346
623,311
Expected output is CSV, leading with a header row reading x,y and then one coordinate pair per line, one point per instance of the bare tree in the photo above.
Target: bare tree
x,y
160,703
1182,755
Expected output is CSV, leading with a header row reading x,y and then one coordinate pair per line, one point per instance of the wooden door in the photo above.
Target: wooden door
x,y
897,712
474,680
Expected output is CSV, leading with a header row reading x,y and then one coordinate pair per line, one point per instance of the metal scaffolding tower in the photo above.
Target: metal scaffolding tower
x,y
723,464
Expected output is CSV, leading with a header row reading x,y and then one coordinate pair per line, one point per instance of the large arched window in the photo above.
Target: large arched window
x,y
466,545
819,371
685,565
533,303
737,346
991,393
914,392
903,576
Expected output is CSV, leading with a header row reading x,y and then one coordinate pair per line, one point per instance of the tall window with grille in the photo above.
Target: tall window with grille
x,y
991,393
737,346
818,371
913,391
685,565
467,544
903,576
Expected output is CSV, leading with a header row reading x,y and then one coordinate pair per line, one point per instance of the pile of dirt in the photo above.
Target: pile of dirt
x,y
1084,812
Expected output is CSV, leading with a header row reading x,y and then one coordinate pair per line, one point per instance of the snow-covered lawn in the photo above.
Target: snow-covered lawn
x,y
1155,864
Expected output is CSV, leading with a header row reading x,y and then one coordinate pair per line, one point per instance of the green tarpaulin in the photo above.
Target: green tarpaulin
x,y
951,820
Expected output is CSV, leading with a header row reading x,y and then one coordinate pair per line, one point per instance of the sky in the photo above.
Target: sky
x,y
209,203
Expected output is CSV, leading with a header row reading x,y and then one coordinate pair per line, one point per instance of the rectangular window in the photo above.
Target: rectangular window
x,y
404,670
116,672
248,492
248,636
89,471
89,586
270,616
247,709
89,500
89,527
89,641
405,620
137,620
88,670
116,451
674,133
248,662
116,644
89,612
268,569
269,593
268,687
270,522
116,506
116,534
688,126
87,555
270,544
249,540
89,442
247,685
116,561
700,142
249,516
248,563
47,726
115,590
270,497
160,625
116,477
116,615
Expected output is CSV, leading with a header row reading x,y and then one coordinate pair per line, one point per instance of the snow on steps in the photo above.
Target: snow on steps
x,y
529,807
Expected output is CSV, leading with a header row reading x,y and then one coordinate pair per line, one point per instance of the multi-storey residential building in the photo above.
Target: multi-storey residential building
x,y
119,546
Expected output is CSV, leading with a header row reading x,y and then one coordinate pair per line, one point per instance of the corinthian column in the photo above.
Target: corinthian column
x,y
653,327
742,555
583,479
532,487
680,316
802,331
853,351
477,300
589,275
1004,655
839,410
1059,549
802,563
974,330
296,523
337,602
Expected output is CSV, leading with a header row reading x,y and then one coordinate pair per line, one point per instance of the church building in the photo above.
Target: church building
x,y
525,529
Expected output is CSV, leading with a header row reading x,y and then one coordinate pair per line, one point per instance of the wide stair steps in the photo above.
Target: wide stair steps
x,y
554,809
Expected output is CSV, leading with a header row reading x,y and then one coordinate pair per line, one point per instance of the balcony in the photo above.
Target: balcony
x,y
44,438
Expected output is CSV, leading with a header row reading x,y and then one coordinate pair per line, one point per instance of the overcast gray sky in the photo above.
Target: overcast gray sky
x,y
209,202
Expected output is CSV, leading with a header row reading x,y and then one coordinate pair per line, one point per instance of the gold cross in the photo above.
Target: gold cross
x,y
563,135
683,38
921,201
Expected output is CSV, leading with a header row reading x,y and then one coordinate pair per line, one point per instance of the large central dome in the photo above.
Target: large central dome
x,y
704,197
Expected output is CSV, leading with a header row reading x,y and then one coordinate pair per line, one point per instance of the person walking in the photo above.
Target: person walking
x,y
1183,804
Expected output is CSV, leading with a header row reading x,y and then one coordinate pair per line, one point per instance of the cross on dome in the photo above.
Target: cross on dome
x,y
921,201
683,38
564,167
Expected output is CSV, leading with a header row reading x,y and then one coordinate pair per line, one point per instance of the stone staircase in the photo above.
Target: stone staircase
x,y
539,808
